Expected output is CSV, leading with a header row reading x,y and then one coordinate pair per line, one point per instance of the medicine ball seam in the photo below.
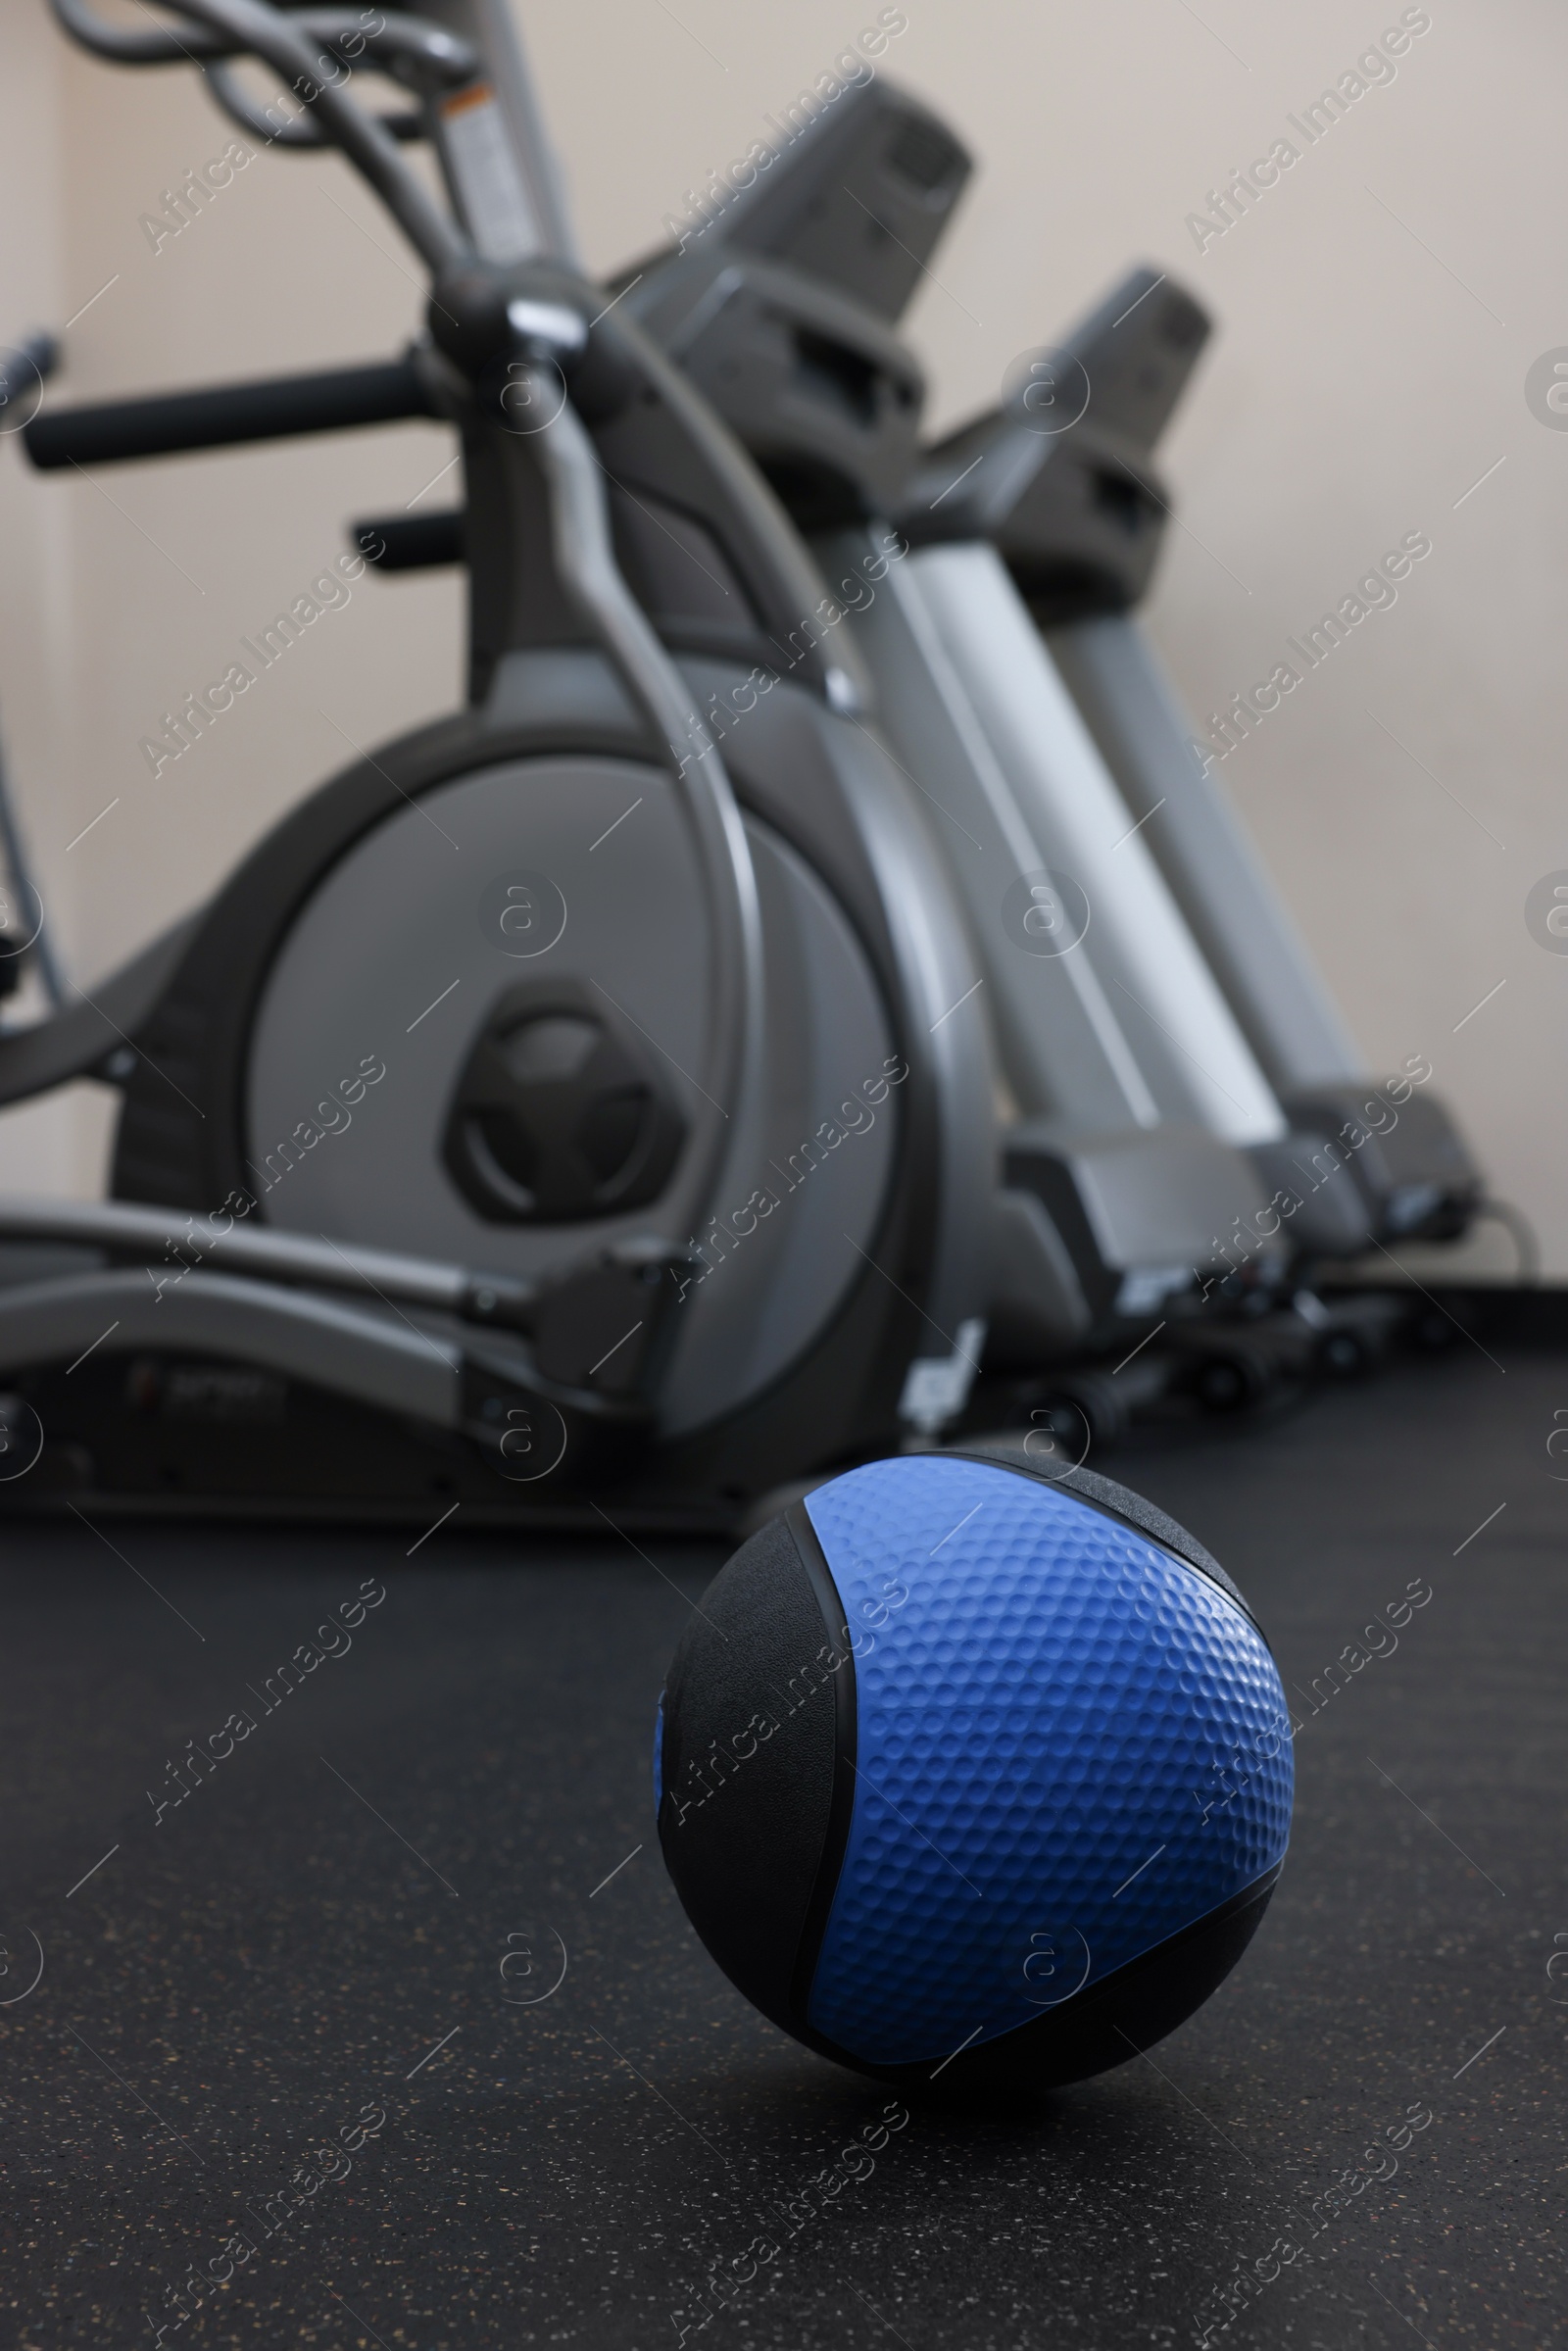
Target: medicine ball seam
x,y
841,1806
762,1612
1066,2028
1063,2029
1151,1523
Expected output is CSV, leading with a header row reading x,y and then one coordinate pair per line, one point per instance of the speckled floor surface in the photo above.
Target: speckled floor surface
x,y
289,2035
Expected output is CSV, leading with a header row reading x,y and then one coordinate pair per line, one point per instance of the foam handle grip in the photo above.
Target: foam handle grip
x,y
172,424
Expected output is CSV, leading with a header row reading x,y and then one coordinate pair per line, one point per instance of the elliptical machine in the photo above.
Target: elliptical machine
x,y
1145,1135
548,1110
1128,1166
1212,1016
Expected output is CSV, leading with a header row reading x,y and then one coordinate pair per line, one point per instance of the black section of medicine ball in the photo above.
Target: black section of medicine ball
x,y
1119,1501
1125,2013
745,1839
841,1812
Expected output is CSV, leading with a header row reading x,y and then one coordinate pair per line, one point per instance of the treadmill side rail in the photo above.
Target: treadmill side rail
x,y
1183,1033
1215,876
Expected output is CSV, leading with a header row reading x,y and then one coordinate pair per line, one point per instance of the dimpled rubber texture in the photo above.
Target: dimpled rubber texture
x,y
1041,1725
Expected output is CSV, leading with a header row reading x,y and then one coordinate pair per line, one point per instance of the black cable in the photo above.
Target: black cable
x,y
398,38
280,43
190,46
1520,1231
230,94
284,43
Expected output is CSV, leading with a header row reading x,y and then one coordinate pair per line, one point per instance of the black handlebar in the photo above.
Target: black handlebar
x,y
114,431
413,542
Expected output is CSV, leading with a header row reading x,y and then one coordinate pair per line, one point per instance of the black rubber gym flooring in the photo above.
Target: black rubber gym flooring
x,y
297,2033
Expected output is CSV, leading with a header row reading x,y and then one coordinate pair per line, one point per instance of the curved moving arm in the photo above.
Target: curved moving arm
x,y
582,544
588,569
75,1041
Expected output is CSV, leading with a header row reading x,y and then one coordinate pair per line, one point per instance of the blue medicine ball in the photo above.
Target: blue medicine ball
x,y
968,1773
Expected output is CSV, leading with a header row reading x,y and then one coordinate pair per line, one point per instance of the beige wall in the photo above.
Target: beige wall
x,y
1368,370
